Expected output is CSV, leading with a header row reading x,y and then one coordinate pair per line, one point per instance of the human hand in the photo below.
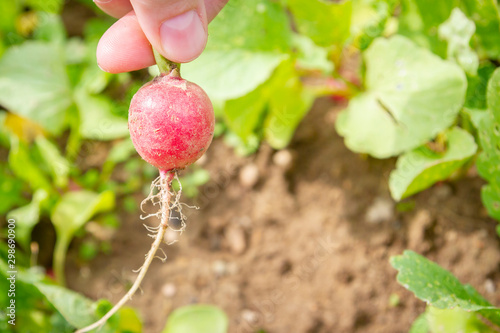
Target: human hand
x,y
175,28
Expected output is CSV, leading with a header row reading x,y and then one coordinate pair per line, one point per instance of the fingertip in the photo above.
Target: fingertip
x,y
115,8
124,47
183,37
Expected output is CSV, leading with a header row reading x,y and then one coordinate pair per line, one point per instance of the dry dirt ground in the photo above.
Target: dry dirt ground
x,y
300,241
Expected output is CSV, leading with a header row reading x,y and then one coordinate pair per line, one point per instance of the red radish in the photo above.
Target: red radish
x,y
171,122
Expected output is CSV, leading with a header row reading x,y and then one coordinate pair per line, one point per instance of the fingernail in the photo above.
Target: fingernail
x,y
183,37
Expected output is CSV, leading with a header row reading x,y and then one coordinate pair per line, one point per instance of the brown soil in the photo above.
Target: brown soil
x,y
295,252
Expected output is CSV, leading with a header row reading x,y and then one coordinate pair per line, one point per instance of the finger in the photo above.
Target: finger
x,y
124,47
176,28
213,7
115,8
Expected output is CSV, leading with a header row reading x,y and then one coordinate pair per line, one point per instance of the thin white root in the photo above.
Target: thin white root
x,y
165,195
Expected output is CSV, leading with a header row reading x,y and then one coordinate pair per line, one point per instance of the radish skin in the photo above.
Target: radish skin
x,y
171,122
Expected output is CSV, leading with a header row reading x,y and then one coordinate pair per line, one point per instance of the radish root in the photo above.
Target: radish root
x,y
161,194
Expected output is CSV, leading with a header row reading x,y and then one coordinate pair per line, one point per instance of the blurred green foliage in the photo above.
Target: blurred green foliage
x,y
451,306
425,90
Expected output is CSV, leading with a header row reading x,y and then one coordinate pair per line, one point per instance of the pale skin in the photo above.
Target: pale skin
x,y
175,28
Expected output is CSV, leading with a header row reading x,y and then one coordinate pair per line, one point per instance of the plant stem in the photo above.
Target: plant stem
x,y
165,181
164,65
62,244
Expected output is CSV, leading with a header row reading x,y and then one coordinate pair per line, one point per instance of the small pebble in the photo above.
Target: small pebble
x,y
489,285
169,290
235,237
381,210
249,316
249,175
219,267
283,158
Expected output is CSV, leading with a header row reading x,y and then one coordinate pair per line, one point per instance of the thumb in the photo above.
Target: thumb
x,y
175,28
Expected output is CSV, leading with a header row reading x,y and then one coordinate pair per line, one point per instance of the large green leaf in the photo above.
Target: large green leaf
x,y
260,25
34,83
438,287
326,23
458,31
239,59
485,15
230,74
197,318
421,168
75,308
412,95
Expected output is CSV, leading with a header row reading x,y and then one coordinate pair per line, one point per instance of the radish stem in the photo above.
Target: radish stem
x,y
164,65
165,195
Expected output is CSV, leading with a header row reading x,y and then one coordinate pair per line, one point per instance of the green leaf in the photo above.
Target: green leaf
x,y
50,28
369,20
326,23
126,320
412,95
231,74
438,287
421,168
97,120
11,190
34,84
477,116
485,15
455,320
76,208
27,217
488,125
490,196
76,309
288,104
244,115
458,31
420,24
58,165
50,6
72,211
121,151
25,168
197,319
493,94
239,59
420,325
311,56
259,26
476,86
